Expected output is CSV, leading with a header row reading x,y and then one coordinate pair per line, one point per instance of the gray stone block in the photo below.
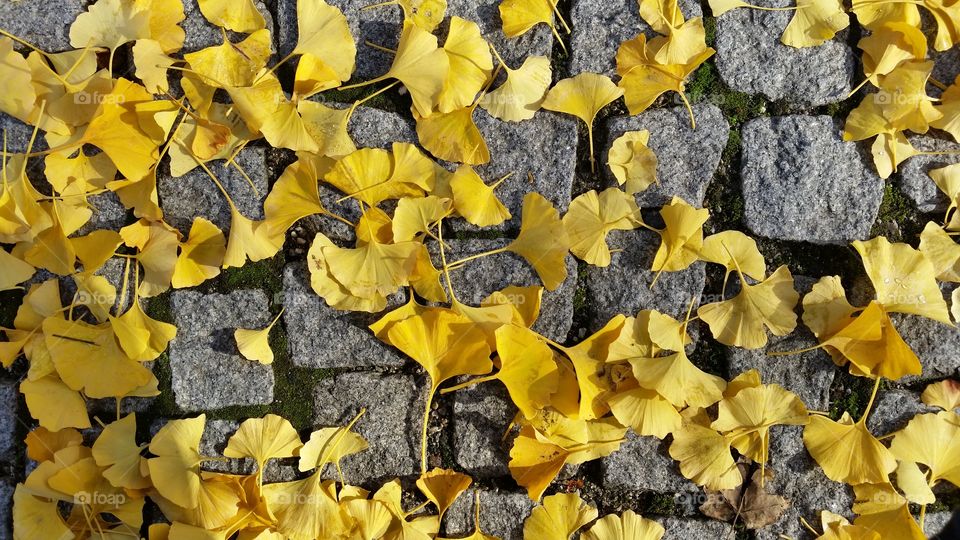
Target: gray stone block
x,y
751,59
502,514
201,33
43,24
216,435
643,464
18,140
935,522
685,529
479,278
935,343
108,213
208,371
624,286
322,337
7,487
799,479
8,419
894,409
787,158
391,425
914,173
600,27
481,415
686,158
382,26
195,195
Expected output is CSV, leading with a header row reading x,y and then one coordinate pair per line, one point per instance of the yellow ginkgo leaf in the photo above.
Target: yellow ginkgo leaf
x,y
746,418
368,175
944,394
543,240
522,93
37,518
942,251
374,269
740,321
907,105
913,483
633,164
470,65
558,517
903,278
16,74
371,518
54,404
152,63
847,451
324,34
583,96
266,109
42,444
646,412
200,256
889,46
873,14
453,136
626,526
664,16
442,487
733,248
13,271
255,344
242,16
684,44
157,243
519,16
814,22
527,368
135,322
705,457
678,380
330,445
263,439
117,450
110,23
931,439
305,508
682,237
232,64
175,471
475,200
591,217
418,215
426,14
248,240
526,300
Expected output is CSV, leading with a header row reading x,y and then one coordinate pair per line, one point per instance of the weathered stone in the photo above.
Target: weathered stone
x,y
382,26
216,435
785,160
798,478
936,523
600,27
751,59
642,464
808,375
208,371
7,486
108,213
502,514
8,419
479,278
394,405
481,415
685,529
544,148
200,33
894,409
624,286
195,194
935,343
322,337
686,158
43,24
914,173
18,139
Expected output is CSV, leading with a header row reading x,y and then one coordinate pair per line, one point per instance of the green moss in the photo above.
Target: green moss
x,y
852,394
657,504
266,274
897,218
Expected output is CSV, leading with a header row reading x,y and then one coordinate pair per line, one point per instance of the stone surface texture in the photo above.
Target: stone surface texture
x,y
686,158
914,173
894,409
208,371
643,464
788,159
502,514
43,24
751,59
200,33
481,415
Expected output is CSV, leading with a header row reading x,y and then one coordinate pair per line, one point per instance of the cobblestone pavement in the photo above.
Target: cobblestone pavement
x,y
766,158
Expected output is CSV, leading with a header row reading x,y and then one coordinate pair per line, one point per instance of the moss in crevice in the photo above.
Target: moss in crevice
x,y
266,274
851,394
897,218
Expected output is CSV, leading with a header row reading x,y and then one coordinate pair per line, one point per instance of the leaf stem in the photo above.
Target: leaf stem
x,y
426,425
468,384
873,397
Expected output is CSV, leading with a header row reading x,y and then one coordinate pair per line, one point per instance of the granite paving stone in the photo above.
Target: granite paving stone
x,y
216,435
643,464
8,420
686,528
686,158
108,213
195,195
43,24
895,408
322,337
502,513
479,278
6,508
624,286
914,173
751,59
600,27
481,415
935,343
394,416
200,33
787,158
382,26
208,371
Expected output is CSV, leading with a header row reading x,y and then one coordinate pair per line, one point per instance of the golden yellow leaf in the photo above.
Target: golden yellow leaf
x,y
522,93
733,248
117,450
324,34
814,22
944,394
55,405
705,457
633,164
200,256
330,445
678,380
682,237
646,411
442,487
475,200
626,526
470,65
543,240
583,96
847,451
591,217
931,439
527,368
240,16
37,518
453,136
232,64
263,439
746,418
13,271
942,251
558,517
175,471
135,322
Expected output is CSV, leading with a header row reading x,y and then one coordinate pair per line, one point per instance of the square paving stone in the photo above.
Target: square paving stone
x,y
195,195
935,343
382,26
43,24
788,158
894,409
216,435
208,371
201,33
479,278
323,337
8,420
624,286
751,59
798,478
7,487
685,529
643,464
686,158
914,173
600,26
18,140
481,415
502,513
108,213
391,425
